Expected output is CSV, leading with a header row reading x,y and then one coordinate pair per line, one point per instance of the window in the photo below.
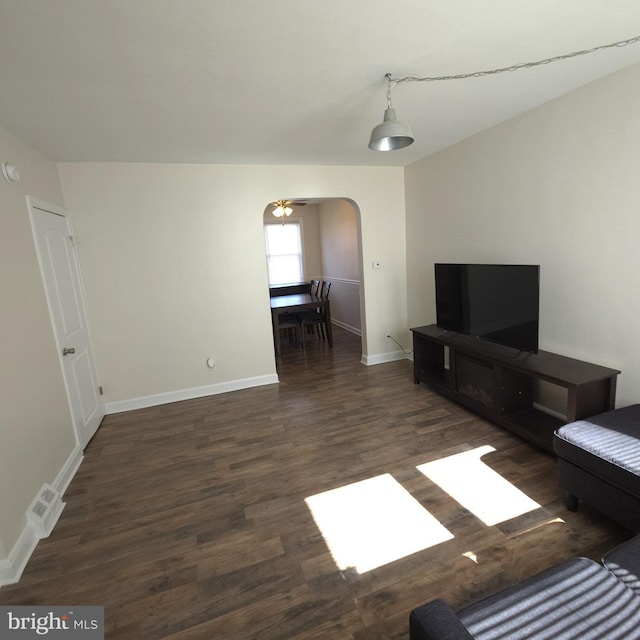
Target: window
x,y
284,252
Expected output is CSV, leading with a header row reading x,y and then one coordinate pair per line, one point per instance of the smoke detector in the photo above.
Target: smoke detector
x,y
10,172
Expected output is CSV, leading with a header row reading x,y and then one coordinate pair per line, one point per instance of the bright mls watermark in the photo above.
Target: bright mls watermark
x,y
20,623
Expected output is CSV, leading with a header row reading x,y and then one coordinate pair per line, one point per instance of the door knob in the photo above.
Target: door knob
x,y
68,351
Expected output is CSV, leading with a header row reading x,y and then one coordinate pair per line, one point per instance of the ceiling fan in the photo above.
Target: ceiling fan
x,y
283,207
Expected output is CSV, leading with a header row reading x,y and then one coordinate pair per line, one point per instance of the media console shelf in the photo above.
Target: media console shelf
x,y
499,382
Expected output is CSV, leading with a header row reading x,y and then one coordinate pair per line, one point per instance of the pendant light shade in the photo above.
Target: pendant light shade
x,y
391,133
282,210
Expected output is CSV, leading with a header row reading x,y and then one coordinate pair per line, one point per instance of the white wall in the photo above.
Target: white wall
x,y
174,265
341,261
36,431
559,187
308,215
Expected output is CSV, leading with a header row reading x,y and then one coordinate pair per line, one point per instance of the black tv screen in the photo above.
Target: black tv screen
x,y
496,302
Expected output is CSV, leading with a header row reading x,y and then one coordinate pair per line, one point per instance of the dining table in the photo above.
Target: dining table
x,y
292,304
288,289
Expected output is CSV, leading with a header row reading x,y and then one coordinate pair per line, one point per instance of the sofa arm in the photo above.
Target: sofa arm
x,y
624,563
436,620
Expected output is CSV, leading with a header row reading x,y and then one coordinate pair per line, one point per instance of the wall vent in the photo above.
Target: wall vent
x,y
45,510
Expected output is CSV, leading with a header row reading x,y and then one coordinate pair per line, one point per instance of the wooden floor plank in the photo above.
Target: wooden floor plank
x,y
189,520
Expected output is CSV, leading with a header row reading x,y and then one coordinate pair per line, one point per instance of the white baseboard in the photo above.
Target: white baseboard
x,y
13,565
188,394
381,358
69,468
348,327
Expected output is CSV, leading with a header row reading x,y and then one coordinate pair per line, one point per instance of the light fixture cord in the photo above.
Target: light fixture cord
x,y
514,67
388,77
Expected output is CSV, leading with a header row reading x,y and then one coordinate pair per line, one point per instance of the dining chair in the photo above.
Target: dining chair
x,y
315,285
316,318
290,322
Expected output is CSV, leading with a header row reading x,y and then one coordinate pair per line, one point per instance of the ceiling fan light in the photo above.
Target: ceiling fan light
x,y
391,133
282,209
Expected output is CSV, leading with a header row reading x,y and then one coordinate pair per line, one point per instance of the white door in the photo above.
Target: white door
x,y
62,283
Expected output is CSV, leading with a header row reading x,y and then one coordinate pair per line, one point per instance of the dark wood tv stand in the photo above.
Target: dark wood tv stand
x,y
498,382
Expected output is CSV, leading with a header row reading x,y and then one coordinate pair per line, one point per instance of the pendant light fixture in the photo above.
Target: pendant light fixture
x,y
391,133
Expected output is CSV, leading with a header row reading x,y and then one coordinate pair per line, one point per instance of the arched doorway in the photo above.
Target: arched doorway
x,y
330,241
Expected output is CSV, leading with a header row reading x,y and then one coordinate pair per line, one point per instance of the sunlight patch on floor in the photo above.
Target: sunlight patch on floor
x,y
477,487
371,523
545,523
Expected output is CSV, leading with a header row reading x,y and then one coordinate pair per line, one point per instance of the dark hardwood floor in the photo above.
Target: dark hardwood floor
x,y
189,520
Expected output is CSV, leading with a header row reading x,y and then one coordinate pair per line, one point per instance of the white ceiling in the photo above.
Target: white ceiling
x,y
285,81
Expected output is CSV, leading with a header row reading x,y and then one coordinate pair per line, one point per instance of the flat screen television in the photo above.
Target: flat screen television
x,y
496,302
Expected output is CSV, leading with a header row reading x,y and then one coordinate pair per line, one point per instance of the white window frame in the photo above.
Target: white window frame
x,y
300,255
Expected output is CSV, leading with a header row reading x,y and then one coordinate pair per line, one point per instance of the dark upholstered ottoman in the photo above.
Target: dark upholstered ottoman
x,y
599,463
